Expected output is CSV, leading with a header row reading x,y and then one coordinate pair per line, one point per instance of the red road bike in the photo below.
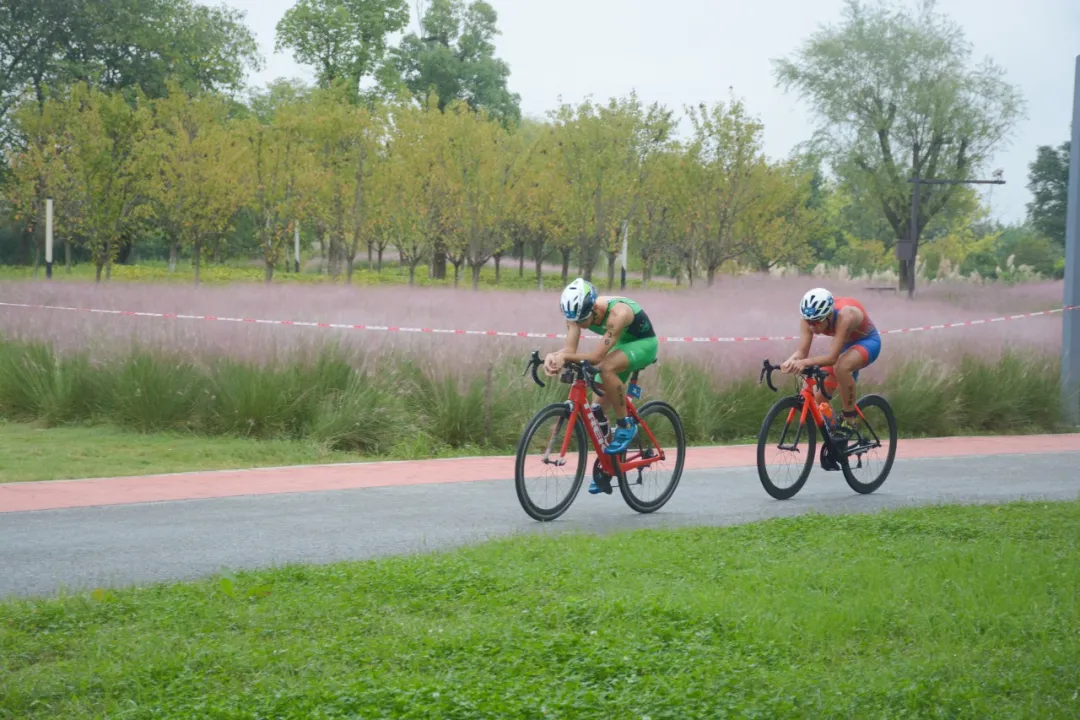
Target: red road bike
x,y
836,452
575,425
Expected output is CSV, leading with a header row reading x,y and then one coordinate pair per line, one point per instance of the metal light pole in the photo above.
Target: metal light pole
x,y
1070,319
907,252
48,237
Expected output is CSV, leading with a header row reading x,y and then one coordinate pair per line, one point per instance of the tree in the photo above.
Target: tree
x,y
201,163
416,175
345,139
103,146
123,44
483,164
454,58
727,149
344,40
779,222
600,158
278,95
1048,181
146,43
534,217
888,85
665,198
277,158
46,45
40,170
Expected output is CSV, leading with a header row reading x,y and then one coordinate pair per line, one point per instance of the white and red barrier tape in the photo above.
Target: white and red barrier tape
x,y
498,333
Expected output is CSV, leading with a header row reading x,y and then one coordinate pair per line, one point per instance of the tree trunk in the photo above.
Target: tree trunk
x,y
521,262
370,251
710,275
350,263
476,275
906,280
565,263
412,274
197,253
324,251
108,259
270,271
379,266
67,255
438,262
97,272
498,262
610,271
172,255
540,271
457,273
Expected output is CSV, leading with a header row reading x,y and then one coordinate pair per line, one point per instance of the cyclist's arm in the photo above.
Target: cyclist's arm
x,y
806,338
573,337
616,323
844,324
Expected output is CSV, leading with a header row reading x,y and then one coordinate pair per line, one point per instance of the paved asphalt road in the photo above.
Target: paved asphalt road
x,y
83,548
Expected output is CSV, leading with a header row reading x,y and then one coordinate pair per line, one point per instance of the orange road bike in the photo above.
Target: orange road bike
x,y
660,441
836,452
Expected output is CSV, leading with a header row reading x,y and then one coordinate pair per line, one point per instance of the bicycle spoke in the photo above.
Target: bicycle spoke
x,y
548,479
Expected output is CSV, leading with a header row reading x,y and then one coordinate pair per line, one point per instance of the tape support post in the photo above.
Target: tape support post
x,y
499,333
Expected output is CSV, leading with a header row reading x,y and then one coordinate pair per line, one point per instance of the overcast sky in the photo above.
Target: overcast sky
x,y
681,52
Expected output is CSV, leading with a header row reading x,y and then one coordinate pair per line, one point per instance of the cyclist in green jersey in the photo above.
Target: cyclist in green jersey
x,y
629,343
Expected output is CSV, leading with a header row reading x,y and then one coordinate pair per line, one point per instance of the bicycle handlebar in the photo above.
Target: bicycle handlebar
x,y
813,371
583,370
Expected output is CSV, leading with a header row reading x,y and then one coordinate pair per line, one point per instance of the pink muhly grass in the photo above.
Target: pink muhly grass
x,y
734,307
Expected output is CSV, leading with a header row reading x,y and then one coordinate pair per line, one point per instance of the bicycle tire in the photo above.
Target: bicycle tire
x,y
867,488
530,508
680,448
784,405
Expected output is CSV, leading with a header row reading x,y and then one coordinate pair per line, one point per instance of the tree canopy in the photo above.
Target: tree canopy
x,y
895,96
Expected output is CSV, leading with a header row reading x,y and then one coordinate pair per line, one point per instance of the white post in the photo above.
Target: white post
x,y
48,237
297,246
1070,321
625,227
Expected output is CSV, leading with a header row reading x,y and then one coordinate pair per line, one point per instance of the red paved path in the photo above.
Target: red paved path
x,y
21,497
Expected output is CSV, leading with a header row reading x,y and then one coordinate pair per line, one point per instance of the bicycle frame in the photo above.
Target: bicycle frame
x,y
579,401
813,379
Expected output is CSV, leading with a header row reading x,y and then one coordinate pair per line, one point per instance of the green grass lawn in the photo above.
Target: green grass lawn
x,y
29,453
954,612
363,275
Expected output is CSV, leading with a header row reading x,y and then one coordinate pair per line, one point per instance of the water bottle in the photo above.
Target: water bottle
x,y
827,414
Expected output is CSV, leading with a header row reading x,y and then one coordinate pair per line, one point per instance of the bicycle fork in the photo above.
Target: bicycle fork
x,y
561,460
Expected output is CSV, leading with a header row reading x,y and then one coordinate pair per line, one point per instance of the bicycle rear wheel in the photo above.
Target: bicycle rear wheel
x,y
538,452
782,432
877,417
666,426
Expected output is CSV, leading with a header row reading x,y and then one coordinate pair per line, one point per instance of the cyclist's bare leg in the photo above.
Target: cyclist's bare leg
x,y
614,400
848,363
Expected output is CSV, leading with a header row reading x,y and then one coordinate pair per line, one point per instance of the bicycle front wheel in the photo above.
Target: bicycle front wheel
x,y
544,486
646,489
872,461
780,437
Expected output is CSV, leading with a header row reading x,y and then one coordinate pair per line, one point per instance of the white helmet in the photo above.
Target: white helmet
x,y
816,304
578,299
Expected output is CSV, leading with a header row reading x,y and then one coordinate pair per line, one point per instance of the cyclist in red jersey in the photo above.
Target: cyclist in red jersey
x,y
856,344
